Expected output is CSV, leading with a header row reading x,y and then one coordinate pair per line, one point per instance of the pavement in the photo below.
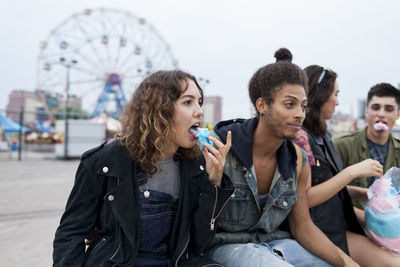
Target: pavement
x,y
34,192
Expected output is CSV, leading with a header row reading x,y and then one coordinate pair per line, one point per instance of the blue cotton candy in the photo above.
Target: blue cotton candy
x,y
383,224
202,134
382,213
393,191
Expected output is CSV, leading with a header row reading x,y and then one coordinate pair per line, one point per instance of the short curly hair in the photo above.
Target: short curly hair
x,y
147,118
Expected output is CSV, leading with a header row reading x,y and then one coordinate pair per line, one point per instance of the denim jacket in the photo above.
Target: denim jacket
x,y
242,220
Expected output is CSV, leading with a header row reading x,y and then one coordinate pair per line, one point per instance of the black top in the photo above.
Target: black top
x,y
335,215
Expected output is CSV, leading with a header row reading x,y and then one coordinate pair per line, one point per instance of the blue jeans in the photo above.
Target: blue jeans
x,y
276,253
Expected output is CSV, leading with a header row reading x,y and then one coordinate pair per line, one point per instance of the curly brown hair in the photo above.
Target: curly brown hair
x,y
147,118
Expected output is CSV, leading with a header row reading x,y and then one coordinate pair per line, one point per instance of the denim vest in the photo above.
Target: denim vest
x,y
242,220
157,216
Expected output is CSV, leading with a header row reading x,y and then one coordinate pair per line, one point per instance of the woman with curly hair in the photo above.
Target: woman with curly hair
x,y
150,197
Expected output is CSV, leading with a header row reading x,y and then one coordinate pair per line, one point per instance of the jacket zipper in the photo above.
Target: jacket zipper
x,y
115,253
213,219
212,222
183,250
98,244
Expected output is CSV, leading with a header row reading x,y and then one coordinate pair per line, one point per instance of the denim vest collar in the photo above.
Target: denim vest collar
x,y
242,144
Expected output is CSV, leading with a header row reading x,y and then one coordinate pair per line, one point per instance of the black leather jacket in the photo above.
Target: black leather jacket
x,y
336,215
105,195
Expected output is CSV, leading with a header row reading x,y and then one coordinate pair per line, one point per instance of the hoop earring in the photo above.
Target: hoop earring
x,y
262,114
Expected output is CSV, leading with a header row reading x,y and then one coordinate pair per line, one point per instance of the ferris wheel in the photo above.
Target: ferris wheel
x,y
100,56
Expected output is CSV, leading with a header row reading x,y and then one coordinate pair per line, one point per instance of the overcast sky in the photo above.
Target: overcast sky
x,y
227,41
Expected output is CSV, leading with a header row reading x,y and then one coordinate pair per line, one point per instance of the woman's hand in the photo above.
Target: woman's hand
x,y
366,168
216,158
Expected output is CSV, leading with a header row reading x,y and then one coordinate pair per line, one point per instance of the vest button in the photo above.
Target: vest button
x,y
110,197
105,169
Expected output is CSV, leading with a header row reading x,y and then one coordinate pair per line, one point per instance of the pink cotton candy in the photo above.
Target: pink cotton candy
x,y
382,204
390,244
380,126
383,200
380,187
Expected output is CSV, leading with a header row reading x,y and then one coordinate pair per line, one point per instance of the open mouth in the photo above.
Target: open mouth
x,y
381,126
384,122
194,129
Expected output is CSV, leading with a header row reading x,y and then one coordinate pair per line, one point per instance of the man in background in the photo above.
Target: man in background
x,y
375,140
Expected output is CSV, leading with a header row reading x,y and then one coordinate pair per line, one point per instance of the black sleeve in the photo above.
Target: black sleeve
x,y
78,220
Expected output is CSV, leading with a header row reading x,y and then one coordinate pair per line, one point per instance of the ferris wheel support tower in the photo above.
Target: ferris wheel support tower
x,y
113,93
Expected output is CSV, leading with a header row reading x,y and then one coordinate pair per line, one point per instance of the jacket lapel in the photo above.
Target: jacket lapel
x,y
123,199
337,162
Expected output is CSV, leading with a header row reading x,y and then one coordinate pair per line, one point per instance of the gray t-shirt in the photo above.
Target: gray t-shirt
x,y
167,180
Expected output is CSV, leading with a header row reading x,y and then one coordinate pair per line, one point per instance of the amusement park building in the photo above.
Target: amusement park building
x,y
212,109
33,104
21,100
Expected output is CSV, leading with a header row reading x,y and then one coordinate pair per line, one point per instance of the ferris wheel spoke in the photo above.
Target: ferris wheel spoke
x,y
162,57
134,66
131,32
87,81
86,71
117,58
93,100
122,36
127,59
134,75
57,75
94,49
104,33
143,62
98,86
97,55
91,63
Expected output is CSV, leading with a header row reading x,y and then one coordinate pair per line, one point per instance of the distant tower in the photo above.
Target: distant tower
x,y
212,109
362,104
